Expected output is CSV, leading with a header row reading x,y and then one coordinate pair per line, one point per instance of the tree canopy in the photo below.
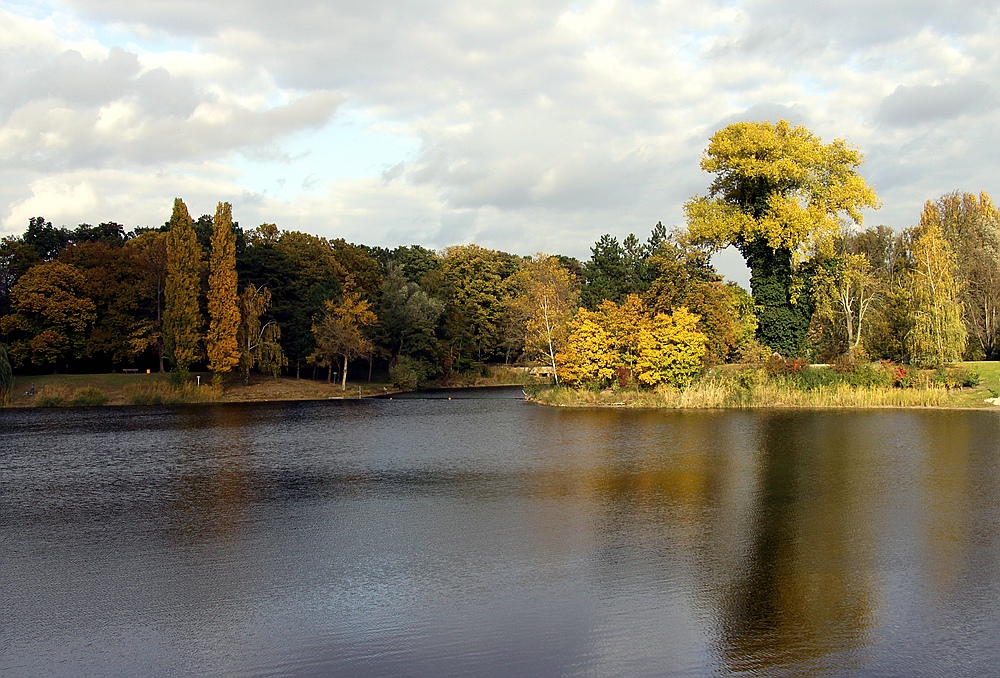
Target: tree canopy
x,y
778,193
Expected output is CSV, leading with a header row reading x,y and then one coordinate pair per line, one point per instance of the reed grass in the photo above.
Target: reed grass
x,y
163,393
717,392
59,395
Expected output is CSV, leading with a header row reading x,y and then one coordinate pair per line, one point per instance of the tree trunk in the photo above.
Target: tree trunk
x,y
329,373
343,377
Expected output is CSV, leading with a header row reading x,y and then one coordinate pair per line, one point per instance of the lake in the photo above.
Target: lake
x,y
486,536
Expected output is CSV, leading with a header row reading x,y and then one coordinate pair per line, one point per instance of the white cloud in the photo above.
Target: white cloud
x,y
541,124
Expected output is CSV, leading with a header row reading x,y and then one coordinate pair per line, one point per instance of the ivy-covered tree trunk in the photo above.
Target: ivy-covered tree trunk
x,y
782,320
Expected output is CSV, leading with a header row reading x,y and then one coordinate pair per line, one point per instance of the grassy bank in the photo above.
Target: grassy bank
x,y
82,390
75,390
745,388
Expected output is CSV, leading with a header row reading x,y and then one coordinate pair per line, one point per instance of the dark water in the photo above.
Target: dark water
x,y
491,537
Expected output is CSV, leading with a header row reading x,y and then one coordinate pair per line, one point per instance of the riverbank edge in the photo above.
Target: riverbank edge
x,y
117,390
586,401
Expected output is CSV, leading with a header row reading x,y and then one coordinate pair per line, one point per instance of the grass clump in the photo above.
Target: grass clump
x,y
164,393
58,395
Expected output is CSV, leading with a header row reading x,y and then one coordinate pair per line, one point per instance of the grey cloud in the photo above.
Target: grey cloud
x,y
857,23
71,78
46,136
914,105
162,95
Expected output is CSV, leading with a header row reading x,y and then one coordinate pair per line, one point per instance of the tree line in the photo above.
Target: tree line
x,y
206,293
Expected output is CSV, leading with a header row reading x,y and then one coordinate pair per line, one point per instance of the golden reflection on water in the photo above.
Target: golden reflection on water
x,y
945,459
214,487
776,518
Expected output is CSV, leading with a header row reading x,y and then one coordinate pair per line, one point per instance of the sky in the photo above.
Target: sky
x,y
521,125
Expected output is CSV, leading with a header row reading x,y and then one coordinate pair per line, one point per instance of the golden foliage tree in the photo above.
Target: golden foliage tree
x,y
626,340
339,333
223,303
586,358
971,225
778,192
938,335
671,349
259,344
52,315
544,298
182,317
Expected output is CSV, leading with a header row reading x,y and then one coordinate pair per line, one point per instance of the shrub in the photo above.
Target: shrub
x,y
53,396
967,378
844,364
408,373
89,396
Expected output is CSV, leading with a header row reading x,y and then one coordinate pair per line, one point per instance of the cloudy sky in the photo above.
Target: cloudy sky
x,y
523,125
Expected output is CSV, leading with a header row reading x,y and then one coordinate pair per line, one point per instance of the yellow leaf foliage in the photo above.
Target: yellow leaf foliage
x,y
655,349
223,302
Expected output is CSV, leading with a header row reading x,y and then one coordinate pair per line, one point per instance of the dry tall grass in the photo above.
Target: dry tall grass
x,y
727,393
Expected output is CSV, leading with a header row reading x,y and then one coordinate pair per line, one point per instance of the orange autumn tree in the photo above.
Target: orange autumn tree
x,y
338,332
629,342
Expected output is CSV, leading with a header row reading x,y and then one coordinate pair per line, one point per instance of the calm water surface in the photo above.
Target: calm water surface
x,y
491,537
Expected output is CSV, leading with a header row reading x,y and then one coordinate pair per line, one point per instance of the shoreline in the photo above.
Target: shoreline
x,y
136,390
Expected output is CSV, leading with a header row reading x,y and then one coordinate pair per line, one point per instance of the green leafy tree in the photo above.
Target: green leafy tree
x,y
616,270
408,317
260,344
182,321
845,290
46,240
223,303
938,336
302,273
778,192
16,257
116,282
476,299
52,315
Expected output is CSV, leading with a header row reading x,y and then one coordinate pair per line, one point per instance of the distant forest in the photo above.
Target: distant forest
x,y
206,293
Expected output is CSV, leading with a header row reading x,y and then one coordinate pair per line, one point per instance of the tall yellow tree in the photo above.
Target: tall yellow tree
x,y
778,192
544,297
971,225
339,332
182,321
938,335
223,302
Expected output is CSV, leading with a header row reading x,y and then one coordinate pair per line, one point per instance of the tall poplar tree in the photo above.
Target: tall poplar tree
x,y
182,317
223,300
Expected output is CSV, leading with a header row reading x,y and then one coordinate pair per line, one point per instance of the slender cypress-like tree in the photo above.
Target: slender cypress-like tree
x,y
182,317
223,300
